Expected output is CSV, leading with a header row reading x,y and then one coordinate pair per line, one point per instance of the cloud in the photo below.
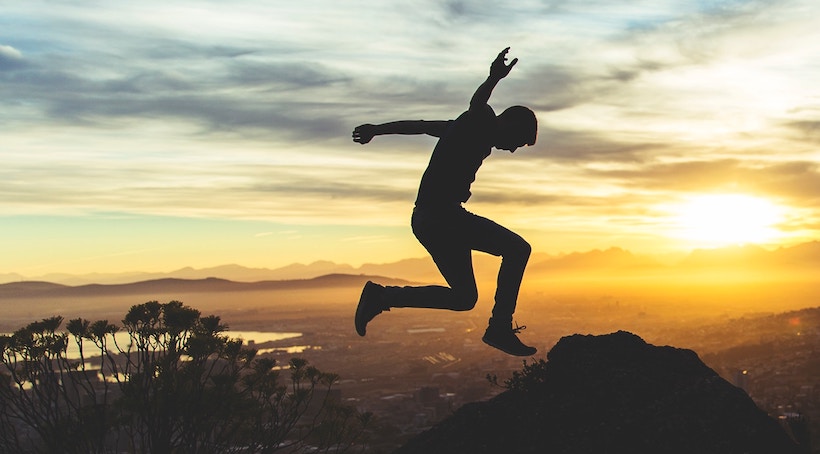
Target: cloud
x,y
282,75
550,87
239,95
806,130
797,182
469,11
341,187
10,58
122,67
577,147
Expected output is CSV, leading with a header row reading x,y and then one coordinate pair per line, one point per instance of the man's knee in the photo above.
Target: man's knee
x,y
464,299
526,249
521,250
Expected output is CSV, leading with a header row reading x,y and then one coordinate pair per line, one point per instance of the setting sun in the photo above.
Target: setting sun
x,y
715,220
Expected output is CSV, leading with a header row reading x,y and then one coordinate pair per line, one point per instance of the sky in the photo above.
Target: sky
x,y
153,135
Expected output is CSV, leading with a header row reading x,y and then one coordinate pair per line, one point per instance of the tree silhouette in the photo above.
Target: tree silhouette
x,y
178,384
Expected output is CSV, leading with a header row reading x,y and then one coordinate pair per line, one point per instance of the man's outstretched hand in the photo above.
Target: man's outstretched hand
x,y
364,133
499,69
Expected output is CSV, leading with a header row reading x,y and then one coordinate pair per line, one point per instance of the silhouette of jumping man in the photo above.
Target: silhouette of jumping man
x,y
446,229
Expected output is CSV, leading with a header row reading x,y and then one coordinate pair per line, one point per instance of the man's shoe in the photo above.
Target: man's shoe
x,y
503,337
369,307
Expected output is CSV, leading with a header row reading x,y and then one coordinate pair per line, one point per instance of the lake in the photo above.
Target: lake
x,y
122,339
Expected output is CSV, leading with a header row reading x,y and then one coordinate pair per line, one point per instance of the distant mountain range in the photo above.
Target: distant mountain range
x,y
802,257
31,289
296,271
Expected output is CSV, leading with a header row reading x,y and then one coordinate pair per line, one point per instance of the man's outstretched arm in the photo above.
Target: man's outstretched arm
x,y
364,133
498,71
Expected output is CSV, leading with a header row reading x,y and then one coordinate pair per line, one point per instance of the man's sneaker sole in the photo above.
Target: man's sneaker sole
x,y
527,351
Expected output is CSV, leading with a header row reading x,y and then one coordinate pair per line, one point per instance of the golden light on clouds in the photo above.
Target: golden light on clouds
x,y
714,220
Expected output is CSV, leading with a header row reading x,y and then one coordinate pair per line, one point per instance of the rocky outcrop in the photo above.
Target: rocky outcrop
x,y
611,394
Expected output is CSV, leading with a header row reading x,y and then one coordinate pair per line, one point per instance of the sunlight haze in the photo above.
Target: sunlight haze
x,y
718,220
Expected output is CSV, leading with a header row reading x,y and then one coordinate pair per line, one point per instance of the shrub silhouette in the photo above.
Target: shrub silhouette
x,y
178,385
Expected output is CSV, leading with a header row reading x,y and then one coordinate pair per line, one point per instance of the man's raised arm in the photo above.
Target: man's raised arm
x,y
364,133
498,71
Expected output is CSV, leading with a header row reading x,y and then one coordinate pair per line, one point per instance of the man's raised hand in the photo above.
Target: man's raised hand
x,y
499,69
364,133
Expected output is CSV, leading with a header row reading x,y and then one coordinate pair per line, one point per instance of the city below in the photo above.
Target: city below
x,y
416,367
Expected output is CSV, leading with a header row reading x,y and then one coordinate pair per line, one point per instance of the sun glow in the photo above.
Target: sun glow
x,y
716,220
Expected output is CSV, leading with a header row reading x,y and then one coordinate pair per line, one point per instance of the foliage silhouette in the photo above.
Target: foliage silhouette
x,y
531,374
179,384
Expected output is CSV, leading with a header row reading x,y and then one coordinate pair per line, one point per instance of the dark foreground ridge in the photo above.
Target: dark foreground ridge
x,y
611,394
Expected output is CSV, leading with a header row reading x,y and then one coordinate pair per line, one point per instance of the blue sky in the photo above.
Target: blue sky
x,y
155,135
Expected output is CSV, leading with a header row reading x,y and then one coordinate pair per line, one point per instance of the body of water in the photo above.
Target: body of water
x,y
123,339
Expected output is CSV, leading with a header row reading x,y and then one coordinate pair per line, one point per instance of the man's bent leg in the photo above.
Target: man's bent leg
x,y
441,233
487,236
510,274
455,265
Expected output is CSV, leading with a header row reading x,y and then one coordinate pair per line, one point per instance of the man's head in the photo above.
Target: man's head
x,y
517,126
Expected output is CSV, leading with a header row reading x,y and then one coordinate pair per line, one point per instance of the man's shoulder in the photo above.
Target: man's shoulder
x,y
481,111
483,116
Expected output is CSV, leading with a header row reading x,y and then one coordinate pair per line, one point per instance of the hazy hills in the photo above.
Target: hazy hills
x,y
790,260
735,280
259,304
296,271
36,289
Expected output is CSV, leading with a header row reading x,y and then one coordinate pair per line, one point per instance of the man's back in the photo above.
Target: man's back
x,y
456,159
